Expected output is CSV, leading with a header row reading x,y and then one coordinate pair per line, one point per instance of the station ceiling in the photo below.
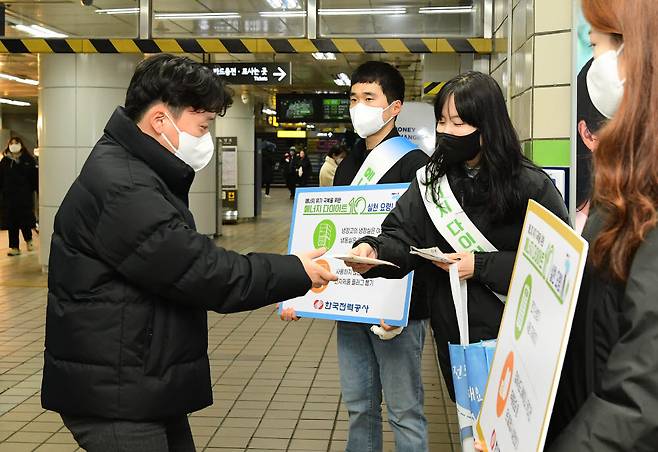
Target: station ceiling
x,y
70,18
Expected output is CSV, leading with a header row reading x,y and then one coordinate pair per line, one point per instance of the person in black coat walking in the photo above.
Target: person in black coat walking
x,y
18,183
131,279
289,169
304,169
267,164
479,155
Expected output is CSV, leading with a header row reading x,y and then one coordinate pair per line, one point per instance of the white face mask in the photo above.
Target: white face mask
x,y
15,148
195,151
367,120
605,88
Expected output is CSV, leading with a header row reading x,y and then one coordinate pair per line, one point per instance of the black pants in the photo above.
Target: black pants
x,y
267,185
292,187
107,435
13,236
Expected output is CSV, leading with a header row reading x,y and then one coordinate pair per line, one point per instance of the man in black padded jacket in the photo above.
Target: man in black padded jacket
x,y
131,280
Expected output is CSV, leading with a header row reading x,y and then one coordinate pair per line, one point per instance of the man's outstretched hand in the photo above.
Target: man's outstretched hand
x,y
319,275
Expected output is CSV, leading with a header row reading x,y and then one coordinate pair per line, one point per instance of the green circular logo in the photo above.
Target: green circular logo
x,y
523,308
324,235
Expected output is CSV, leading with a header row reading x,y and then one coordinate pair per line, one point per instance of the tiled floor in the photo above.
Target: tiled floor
x,y
276,384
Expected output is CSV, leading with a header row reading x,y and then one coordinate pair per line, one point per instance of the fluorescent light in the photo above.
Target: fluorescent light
x,y
18,103
114,11
39,32
360,11
194,16
269,111
324,56
445,9
342,79
282,13
289,4
13,78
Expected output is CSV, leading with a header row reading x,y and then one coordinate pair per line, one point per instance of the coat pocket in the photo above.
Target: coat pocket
x,y
156,341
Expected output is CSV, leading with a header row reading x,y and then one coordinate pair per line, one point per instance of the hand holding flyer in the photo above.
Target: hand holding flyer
x,y
433,254
351,259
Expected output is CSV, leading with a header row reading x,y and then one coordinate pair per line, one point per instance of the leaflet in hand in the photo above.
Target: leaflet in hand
x,y
433,254
362,260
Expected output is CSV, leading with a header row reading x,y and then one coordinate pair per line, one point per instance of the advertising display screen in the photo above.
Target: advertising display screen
x,y
336,109
295,108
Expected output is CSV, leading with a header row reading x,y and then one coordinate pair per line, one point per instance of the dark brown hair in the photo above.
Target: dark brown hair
x,y
626,161
23,147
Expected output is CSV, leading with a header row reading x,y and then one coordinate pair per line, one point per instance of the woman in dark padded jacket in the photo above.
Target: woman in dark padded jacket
x,y
608,394
478,159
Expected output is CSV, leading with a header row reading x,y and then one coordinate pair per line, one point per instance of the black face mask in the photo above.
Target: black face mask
x,y
458,149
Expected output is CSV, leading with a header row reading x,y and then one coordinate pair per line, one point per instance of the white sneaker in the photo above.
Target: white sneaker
x,y
13,252
30,245
267,196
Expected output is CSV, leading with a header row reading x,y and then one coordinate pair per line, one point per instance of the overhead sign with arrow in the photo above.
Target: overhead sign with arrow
x,y
254,73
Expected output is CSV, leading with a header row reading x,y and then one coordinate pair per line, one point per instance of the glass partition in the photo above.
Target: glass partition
x,y
400,18
58,19
229,19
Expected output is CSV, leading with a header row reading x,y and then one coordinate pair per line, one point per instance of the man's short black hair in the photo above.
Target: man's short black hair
x,y
177,81
388,77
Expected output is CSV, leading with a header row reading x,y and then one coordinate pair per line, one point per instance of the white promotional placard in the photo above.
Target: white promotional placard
x,y
229,166
416,122
533,335
334,218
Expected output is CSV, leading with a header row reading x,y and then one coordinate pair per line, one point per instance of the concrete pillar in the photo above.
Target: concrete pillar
x,y
239,122
538,37
501,66
77,95
540,87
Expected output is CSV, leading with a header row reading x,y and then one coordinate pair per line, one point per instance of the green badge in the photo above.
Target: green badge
x,y
524,307
324,235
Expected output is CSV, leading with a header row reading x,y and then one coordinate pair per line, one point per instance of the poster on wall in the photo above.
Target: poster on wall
x,y
416,122
229,147
560,177
229,177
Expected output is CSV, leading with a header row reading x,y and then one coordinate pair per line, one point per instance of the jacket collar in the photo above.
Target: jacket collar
x,y
360,146
176,174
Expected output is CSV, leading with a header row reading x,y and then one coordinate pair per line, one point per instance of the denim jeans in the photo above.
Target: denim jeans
x,y
368,366
107,435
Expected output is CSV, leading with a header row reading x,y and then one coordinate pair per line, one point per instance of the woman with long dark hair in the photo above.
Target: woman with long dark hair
x,y
18,182
608,394
477,168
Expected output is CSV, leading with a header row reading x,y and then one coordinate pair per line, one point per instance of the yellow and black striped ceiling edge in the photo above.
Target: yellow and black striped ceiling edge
x,y
432,88
250,45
